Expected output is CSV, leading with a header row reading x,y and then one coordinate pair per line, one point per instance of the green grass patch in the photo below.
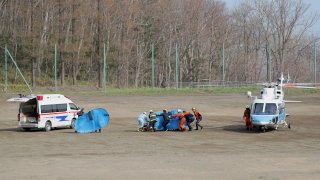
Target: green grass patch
x,y
90,90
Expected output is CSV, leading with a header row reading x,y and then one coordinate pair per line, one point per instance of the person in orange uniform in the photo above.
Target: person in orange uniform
x,y
246,117
182,120
198,118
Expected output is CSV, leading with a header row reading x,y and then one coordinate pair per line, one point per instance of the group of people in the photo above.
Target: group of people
x,y
147,122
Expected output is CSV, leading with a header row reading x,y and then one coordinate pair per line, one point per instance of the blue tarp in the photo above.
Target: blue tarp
x,y
173,123
92,121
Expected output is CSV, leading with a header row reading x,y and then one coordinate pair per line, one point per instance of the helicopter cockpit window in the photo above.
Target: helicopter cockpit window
x,y
271,108
258,108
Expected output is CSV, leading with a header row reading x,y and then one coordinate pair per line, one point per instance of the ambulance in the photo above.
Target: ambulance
x,y
47,111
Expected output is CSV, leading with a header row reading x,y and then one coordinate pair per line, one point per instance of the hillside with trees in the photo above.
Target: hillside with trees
x,y
251,35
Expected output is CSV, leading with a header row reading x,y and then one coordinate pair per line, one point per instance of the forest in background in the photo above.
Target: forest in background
x,y
252,34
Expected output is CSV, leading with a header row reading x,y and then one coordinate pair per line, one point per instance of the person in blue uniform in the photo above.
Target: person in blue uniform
x,y
166,119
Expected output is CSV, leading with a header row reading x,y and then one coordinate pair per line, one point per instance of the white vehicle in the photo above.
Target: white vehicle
x,y
47,111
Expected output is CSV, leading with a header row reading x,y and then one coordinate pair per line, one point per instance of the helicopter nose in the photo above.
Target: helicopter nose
x,y
262,120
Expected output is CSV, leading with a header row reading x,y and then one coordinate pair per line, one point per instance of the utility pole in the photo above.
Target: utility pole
x,y
177,67
269,62
104,67
5,69
152,64
55,67
98,47
315,63
222,59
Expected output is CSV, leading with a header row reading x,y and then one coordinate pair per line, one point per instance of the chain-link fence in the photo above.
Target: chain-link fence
x,y
211,84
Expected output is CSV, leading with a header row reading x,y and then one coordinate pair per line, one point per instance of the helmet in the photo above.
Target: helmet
x,y
193,108
151,111
144,113
165,110
179,111
247,106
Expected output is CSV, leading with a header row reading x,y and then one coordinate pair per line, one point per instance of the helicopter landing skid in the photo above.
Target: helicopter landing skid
x,y
287,125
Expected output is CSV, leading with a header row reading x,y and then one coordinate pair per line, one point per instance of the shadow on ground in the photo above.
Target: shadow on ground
x,y
12,129
241,129
235,128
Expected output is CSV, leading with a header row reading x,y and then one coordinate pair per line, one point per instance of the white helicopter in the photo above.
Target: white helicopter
x,y
268,110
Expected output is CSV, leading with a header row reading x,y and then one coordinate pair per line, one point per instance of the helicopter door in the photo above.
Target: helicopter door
x,y
282,115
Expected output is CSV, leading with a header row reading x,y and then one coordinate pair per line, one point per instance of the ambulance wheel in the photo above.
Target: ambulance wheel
x,y
48,126
72,123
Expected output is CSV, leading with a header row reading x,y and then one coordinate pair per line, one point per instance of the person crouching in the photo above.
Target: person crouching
x,y
142,121
152,120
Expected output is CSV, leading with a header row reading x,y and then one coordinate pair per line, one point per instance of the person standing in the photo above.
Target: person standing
x,y
246,117
198,118
166,119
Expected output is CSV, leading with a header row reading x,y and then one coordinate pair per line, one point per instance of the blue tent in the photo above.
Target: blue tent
x,y
92,121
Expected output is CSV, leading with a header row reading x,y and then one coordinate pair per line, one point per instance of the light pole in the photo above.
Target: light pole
x,y
315,61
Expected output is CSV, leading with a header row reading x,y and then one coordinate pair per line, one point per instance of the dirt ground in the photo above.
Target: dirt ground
x,y
222,150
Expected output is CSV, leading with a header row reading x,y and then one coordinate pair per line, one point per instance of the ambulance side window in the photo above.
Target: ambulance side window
x,y
46,108
61,107
53,108
73,106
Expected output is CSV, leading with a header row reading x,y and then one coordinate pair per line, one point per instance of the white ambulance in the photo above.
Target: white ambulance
x,y
47,111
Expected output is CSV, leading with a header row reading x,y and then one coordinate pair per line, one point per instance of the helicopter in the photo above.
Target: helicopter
x,y
268,109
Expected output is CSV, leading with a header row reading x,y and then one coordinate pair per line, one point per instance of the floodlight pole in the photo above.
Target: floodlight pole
x,y
269,63
315,63
55,67
152,59
222,58
177,67
5,69
104,67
